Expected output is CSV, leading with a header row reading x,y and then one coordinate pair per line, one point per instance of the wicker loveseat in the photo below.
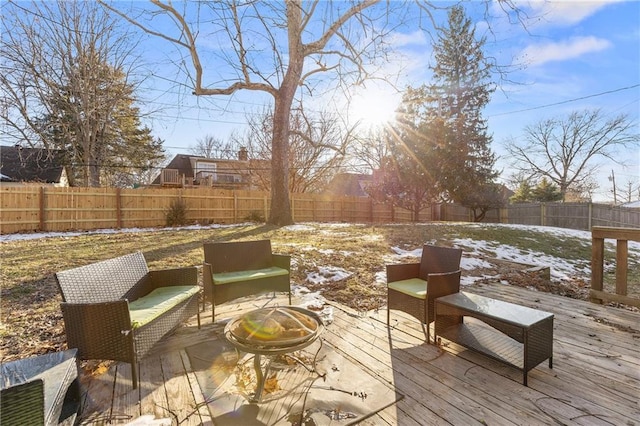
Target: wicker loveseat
x,y
237,269
117,309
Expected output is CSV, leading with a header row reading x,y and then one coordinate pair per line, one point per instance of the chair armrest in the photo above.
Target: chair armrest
x,y
97,329
282,261
207,281
171,277
402,271
443,284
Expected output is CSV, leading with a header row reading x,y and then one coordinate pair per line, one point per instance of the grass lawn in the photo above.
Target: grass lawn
x,y
31,322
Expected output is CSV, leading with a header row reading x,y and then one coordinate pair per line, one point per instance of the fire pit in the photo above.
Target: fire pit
x,y
273,331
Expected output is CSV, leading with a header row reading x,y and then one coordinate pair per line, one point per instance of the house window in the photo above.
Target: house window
x,y
205,169
228,178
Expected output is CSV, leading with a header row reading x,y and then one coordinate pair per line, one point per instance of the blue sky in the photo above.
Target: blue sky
x,y
572,56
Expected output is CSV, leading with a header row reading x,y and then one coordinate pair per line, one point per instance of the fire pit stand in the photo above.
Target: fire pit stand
x,y
271,349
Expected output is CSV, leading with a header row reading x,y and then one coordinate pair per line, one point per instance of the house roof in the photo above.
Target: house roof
x,y
19,164
352,184
185,164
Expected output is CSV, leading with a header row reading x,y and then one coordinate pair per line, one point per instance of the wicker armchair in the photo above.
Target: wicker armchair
x,y
117,309
413,287
242,268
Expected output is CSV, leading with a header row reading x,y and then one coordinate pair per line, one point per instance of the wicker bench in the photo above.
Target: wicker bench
x,y
237,269
117,309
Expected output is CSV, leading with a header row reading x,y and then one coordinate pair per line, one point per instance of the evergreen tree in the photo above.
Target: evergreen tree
x,y
95,121
460,90
406,177
546,191
522,194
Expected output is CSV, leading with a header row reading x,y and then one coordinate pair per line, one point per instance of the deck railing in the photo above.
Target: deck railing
x,y
622,237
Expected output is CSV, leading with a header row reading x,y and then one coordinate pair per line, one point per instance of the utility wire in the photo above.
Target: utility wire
x,y
565,102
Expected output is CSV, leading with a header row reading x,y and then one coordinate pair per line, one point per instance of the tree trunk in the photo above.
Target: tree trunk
x,y
280,213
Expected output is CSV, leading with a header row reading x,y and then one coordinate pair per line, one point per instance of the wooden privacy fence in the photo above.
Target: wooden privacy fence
x,y
582,216
622,237
31,208
28,208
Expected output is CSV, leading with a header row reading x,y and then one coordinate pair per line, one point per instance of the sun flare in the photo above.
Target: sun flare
x,y
374,107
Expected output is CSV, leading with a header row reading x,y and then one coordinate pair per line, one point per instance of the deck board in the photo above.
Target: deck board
x,y
595,377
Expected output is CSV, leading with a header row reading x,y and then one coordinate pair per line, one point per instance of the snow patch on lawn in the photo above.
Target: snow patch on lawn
x,y
327,274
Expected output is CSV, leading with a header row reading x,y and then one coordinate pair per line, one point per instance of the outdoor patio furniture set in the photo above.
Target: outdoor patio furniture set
x,y
430,291
118,309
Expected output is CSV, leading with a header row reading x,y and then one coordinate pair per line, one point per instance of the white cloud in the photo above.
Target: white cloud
x,y
565,12
403,39
538,54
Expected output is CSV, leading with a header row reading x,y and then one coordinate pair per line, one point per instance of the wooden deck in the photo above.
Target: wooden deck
x,y
595,378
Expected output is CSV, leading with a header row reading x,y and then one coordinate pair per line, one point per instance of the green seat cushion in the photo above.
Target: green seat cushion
x,y
414,287
161,300
256,274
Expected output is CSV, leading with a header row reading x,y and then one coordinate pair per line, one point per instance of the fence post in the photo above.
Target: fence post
x,y
41,205
266,208
370,210
590,215
118,209
293,207
235,207
313,208
543,214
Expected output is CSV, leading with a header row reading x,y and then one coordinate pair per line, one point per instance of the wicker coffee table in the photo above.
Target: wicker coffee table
x,y
519,336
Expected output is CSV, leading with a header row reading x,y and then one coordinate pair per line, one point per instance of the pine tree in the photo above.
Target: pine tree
x,y
546,191
95,122
460,90
523,193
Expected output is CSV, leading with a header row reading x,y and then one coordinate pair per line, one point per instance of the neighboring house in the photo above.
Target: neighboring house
x,y
32,166
351,184
195,171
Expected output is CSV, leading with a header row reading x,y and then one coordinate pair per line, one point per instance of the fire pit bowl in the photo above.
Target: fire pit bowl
x,y
273,331
282,327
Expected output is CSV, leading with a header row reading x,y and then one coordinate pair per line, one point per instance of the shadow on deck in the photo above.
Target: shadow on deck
x,y
595,377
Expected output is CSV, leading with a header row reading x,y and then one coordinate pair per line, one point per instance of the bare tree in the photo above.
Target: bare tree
x,y
318,144
66,79
278,48
630,191
369,149
565,150
212,147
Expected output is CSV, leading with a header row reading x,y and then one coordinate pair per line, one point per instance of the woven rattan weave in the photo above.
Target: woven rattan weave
x,y
222,257
40,390
517,335
96,307
439,268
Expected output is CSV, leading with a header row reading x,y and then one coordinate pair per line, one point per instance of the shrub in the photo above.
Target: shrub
x,y
255,216
176,213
